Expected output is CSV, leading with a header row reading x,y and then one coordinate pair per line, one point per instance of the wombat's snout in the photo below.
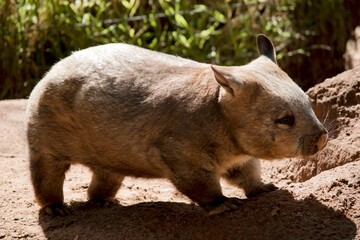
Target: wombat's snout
x,y
314,143
321,140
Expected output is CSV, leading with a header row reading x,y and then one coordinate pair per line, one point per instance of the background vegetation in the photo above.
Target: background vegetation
x,y
310,36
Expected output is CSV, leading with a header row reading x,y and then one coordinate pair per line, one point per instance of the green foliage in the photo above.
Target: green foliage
x,y
34,34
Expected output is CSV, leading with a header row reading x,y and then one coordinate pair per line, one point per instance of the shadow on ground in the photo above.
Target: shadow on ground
x,y
275,215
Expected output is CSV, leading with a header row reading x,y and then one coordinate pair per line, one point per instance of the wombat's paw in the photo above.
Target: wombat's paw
x,y
101,203
230,204
269,187
57,209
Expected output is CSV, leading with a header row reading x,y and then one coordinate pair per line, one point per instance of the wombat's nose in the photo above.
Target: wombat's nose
x,y
321,139
314,143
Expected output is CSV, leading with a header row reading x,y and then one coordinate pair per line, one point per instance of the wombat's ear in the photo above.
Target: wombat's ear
x,y
226,80
265,47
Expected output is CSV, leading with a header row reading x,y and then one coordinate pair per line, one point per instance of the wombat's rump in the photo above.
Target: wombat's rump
x,y
126,111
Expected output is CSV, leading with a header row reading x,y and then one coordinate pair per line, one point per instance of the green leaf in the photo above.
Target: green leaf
x,y
184,41
219,17
132,32
126,4
181,21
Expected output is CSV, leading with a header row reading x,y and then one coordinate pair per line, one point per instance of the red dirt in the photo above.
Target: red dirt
x,y
325,205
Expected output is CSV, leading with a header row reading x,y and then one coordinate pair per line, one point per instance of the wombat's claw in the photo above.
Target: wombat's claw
x,y
101,203
230,204
57,209
269,187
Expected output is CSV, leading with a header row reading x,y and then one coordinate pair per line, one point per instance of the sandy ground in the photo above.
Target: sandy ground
x,y
325,207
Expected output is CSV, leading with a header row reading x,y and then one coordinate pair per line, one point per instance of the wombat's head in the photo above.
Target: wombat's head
x,y
269,115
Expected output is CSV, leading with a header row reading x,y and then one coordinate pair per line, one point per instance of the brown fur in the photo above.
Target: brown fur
x,y
126,111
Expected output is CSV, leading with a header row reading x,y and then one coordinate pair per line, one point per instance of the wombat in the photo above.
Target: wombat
x,y
122,110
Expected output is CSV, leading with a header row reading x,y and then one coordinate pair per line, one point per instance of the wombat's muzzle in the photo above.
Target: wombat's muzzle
x,y
314,143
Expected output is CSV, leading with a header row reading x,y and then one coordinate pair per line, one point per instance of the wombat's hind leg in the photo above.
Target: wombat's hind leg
x,y
203,187
103,188
247,177
48,175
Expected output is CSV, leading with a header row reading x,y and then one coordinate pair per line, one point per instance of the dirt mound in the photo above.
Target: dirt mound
x,y
336,101
325,207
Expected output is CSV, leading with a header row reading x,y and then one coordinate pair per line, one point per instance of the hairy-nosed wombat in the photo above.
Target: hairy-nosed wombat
x,y
122,111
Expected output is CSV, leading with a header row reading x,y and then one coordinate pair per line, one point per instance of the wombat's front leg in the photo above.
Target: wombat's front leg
x,y
247,176
202,186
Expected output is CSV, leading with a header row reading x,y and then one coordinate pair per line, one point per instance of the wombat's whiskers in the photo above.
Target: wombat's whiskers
x,y
331,126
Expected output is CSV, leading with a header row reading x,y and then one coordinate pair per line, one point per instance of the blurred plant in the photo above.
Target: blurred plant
x,y
34,34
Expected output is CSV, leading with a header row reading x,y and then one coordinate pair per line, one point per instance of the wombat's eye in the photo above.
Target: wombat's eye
x,y
287,120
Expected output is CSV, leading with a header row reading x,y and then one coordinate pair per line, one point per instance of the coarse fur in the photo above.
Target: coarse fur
x,y
123,111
